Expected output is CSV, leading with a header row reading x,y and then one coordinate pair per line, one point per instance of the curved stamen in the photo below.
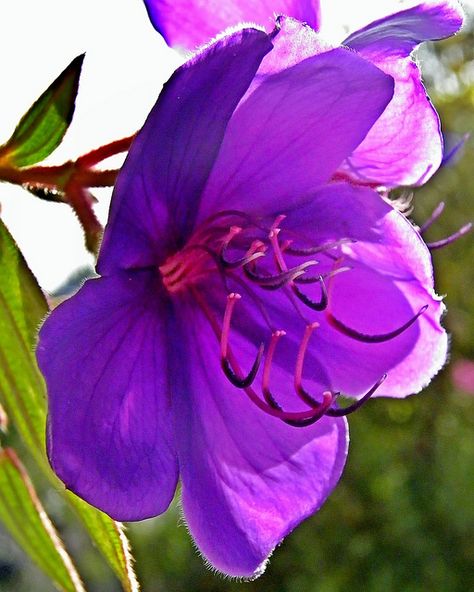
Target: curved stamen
x,y
276,222
273,236
351,408
255,251
269,398
304,252
313,279
434,216
281,265
322,409
278,280
363,337
247,380
450,239
236,380
317,409
302,393
307,301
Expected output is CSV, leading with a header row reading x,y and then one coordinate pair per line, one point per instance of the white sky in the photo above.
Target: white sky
x,y
125,66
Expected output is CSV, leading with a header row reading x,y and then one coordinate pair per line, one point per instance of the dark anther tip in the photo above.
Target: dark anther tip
x,y
246,381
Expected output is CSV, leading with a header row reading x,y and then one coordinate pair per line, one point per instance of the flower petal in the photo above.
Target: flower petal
x,y
104,355
292,132
155,195
390,280
403,31
295,42
248,479
405,145
187,24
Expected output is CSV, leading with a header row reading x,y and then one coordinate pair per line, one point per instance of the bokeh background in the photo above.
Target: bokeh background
x,y
402,517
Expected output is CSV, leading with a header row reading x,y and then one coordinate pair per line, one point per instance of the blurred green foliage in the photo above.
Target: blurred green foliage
x,y
402,517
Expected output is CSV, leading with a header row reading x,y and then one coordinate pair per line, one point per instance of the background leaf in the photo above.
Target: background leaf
x,y
43,126
23,515
23,395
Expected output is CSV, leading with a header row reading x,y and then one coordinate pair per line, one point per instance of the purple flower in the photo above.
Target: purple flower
x,y
405,146
240,291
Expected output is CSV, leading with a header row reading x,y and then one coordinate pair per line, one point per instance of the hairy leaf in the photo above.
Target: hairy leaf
x,y
23,515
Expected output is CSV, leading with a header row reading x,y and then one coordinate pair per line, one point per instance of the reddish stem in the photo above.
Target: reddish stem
x,y
71,180
56,177
81,201
100,154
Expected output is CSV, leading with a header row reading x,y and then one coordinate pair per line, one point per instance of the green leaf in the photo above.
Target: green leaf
x,y
22,307
110,537
23,515
43,126
23,395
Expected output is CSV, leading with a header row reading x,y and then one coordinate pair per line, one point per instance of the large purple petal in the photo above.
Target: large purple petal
x,y
247,479
104,355
405,145
291,133
187,24
168,164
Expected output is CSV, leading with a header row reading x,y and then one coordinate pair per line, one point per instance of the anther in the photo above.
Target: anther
x,y
276,281
307,301
434,216
313,279
450,239
351,408
254,252
363,337
237,381
304,252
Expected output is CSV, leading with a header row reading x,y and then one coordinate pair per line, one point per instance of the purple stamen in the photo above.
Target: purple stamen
x,y
313,279
323,407
306,252
245,260
434,216
295,419
238,381
364,338
351,408
450,239
276,281
300,390
307,301
246,381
